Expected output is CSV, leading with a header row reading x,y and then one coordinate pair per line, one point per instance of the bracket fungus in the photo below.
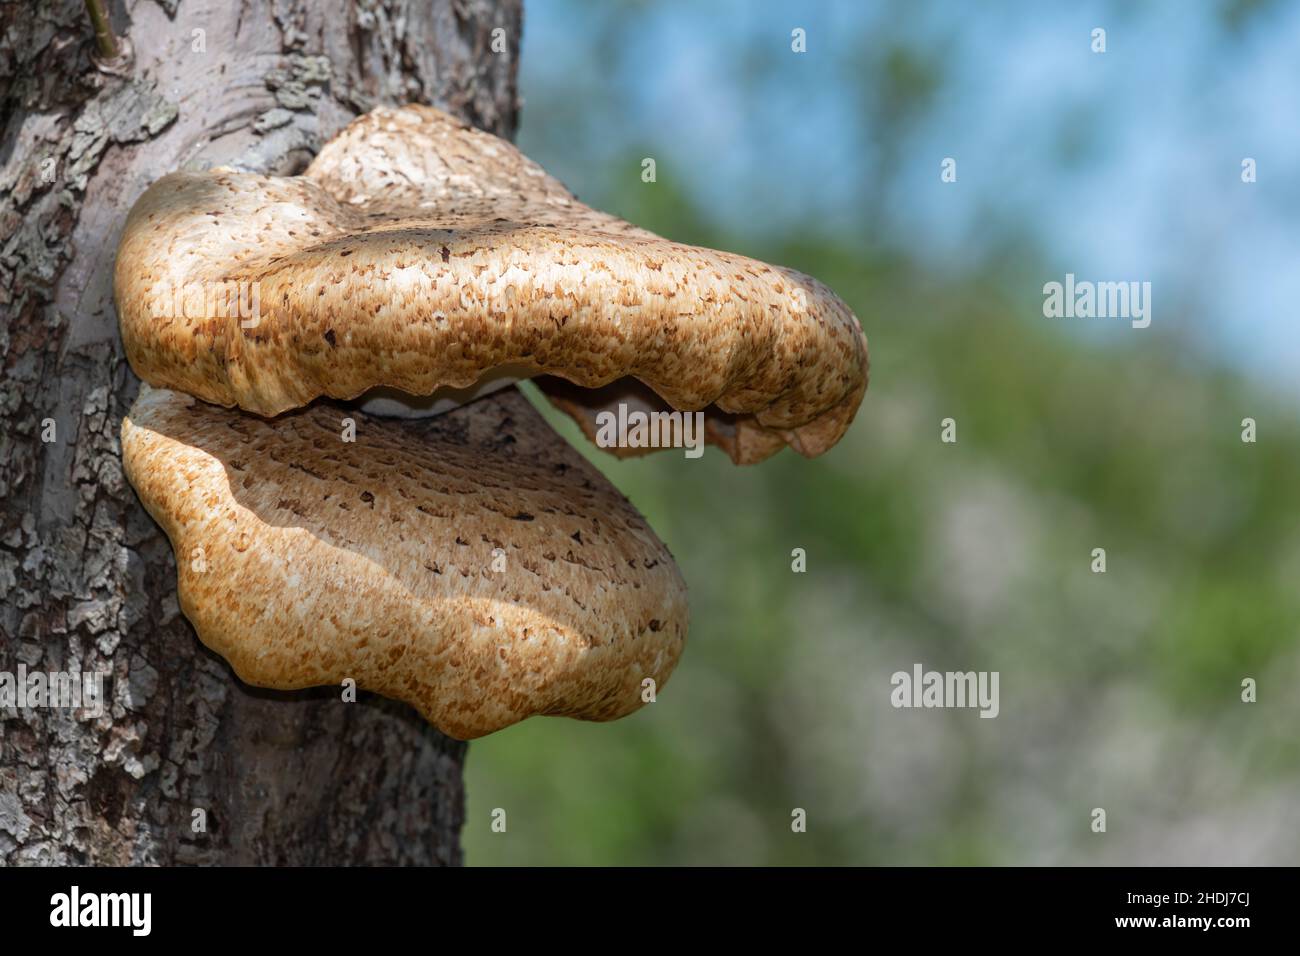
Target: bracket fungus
x,y
417,265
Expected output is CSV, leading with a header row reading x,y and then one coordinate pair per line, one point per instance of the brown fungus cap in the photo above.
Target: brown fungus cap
x,y
418,253
473,565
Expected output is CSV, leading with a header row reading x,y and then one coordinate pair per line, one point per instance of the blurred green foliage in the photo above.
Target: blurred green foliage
x,y
1119,690
973,555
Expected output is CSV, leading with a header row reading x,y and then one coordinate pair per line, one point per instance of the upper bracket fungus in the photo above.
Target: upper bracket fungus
x,y
418,253
419,264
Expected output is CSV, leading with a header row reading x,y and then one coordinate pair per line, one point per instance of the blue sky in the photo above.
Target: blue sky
x,y
1114,166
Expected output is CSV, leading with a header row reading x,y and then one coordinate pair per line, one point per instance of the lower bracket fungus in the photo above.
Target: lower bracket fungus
x,y
472,564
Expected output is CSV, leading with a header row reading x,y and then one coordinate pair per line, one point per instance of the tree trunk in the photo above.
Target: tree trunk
x,y
87,578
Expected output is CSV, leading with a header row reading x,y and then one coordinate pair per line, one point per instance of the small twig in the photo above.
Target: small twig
x,y
104,39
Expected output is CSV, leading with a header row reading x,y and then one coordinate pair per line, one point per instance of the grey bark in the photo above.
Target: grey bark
x,y
87,579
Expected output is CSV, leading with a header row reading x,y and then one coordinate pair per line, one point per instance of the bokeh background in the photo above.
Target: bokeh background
x,y
1119,690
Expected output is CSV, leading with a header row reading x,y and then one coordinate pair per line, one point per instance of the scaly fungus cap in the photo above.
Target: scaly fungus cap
x,y
472,564
418,253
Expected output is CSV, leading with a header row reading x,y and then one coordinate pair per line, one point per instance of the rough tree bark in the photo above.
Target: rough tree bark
x,y
87,579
